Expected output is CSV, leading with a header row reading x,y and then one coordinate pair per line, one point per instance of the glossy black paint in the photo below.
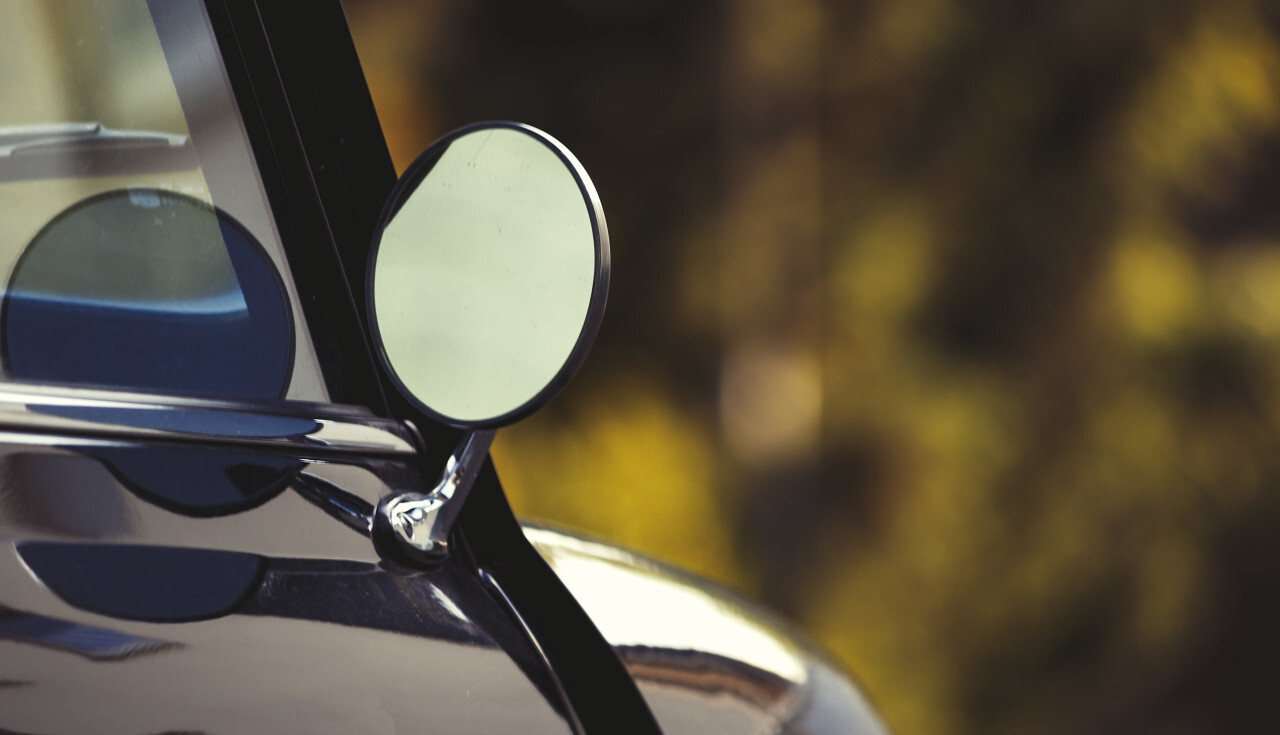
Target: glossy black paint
x,y
250,621
282,618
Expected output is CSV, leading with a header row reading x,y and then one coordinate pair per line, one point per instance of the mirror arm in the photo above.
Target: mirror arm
x,y
419,525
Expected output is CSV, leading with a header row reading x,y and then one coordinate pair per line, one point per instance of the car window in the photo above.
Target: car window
x,y
137,245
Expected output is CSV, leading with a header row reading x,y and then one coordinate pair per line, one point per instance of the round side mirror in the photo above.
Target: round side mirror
x,y
487,283
488,275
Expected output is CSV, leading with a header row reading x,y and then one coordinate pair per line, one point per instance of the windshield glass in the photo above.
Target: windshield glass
x,y
137,246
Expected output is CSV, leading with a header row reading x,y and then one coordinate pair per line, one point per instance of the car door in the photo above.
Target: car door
x,y
193,435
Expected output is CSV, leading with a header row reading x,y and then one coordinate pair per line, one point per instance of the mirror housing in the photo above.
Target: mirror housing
x,y
487,282
488,275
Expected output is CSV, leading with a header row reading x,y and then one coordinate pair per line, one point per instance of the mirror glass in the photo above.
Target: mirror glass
x,y
489,275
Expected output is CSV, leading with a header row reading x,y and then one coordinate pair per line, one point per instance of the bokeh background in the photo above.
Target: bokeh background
x,y
949,330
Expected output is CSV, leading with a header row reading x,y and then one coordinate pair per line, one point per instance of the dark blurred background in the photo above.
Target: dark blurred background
x,y
949,330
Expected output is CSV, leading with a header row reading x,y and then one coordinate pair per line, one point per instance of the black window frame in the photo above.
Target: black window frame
x,y
324,166
327,172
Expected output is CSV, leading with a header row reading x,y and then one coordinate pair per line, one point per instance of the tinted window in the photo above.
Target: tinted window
x,y
135,235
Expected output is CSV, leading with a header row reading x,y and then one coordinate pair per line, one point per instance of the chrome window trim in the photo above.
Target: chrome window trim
x,y
332,429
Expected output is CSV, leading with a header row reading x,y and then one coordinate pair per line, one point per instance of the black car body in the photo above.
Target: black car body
x,y
186,541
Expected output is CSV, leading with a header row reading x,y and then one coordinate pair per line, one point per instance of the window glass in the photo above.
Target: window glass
x,y
137,247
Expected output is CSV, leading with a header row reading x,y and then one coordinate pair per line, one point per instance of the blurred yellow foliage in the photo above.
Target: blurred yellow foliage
x,y
633,470
1217,87
1156,285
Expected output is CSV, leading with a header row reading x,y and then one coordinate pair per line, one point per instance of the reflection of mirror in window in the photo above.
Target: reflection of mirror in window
x,y
152,291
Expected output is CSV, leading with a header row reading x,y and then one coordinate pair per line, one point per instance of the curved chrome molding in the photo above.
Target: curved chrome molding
x,y
705,660
297,427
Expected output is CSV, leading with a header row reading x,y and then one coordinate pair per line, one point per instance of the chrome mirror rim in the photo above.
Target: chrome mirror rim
x,y
400,193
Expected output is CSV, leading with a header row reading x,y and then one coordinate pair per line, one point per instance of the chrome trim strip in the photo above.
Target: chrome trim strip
x,y
296,427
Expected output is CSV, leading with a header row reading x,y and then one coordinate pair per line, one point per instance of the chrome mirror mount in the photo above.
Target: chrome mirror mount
x,y
487,283
419,524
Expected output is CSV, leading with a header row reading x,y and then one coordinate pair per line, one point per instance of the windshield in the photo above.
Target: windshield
x,y
137,246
